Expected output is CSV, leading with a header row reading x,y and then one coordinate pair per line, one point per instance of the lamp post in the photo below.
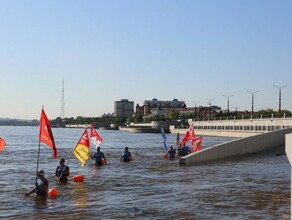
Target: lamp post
x,y
228,97
236,108
280,92
252,100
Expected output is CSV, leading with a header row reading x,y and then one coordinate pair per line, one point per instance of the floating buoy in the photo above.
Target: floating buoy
x,y
53,192
127,161
78,178
165,155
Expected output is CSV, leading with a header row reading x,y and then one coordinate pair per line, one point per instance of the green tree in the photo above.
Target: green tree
x,y
172,115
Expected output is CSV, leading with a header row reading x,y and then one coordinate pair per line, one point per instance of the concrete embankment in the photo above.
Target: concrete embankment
x,y
218,133
238,148
288,150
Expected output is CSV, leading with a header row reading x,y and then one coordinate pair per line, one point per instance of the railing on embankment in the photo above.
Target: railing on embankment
x,y
217,133
236,127
239,147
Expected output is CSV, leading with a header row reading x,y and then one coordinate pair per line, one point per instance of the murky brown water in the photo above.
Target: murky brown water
x,y
256,187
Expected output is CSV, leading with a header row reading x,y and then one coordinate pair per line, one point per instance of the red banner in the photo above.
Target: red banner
x,y
46,134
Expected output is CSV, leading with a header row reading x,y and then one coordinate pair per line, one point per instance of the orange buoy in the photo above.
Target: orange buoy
x,y
78,178
53,192
165,155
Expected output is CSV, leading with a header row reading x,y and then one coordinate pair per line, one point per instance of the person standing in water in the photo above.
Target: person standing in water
x,y
98,156
126,156
41,186
171,153
62,171
185,150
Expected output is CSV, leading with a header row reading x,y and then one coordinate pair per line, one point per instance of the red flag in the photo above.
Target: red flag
x,y
95,137
46,134
190,133
197,143
186,138
2,144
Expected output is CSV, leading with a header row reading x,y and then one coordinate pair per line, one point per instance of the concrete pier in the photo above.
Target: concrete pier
x,y
288,149
237,148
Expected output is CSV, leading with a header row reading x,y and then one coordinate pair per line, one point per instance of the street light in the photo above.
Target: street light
x,y
280,89
228,97
236,108
252,100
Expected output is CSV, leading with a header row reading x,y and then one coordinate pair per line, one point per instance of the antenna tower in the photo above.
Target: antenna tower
x,y
62,115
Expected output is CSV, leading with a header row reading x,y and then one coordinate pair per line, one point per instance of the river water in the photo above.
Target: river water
x,y
150,187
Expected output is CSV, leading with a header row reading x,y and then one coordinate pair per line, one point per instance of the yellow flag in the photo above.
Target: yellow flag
x,y
81,151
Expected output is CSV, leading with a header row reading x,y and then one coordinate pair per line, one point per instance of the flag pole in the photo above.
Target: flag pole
x,y
36,176
38,158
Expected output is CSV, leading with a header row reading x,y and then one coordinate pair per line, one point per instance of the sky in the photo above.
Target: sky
x,y
195,51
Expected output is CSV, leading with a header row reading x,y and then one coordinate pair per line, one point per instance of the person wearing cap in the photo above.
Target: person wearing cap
x,y
62,171
98,156
41,186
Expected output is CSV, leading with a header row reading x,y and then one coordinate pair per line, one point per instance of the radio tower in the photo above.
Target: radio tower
x,y
62,115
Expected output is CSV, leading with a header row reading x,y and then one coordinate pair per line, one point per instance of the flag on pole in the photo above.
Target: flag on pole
x,y
46,134
2,144
177,138
81,150
95,138
197,143
164,139
190,133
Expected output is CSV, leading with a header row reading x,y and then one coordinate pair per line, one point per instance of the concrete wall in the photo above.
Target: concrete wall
x,y
237,148
278,122
288,149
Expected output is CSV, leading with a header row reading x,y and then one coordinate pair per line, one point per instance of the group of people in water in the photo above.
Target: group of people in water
x,y
100,159
62,171
182,151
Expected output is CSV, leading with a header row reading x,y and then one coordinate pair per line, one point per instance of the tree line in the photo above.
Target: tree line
x,y
171,115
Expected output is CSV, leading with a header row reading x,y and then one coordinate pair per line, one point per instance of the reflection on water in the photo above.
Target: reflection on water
x,y
79,194
150,187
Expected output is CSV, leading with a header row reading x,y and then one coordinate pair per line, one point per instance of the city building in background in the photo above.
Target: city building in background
x,y
124,108
156,107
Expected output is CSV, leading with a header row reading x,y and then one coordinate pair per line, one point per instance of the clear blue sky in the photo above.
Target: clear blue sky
x,y
191,50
